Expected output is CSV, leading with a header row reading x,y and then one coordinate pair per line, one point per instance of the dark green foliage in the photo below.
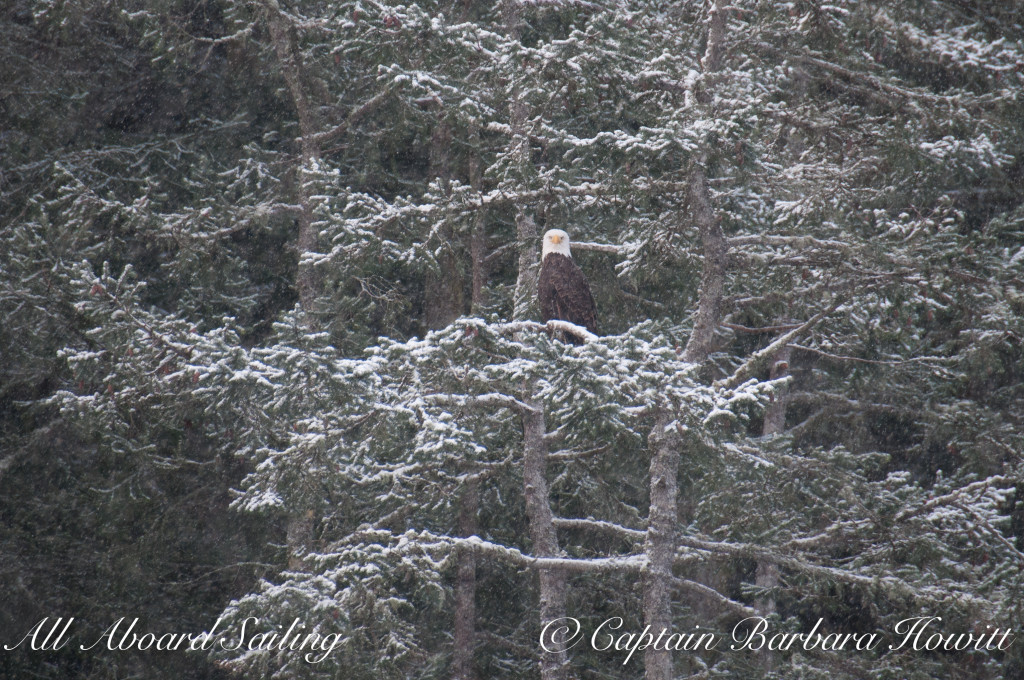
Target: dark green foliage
x,y
168,407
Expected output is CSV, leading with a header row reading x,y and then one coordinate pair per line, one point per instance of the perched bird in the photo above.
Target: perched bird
x,y
563,291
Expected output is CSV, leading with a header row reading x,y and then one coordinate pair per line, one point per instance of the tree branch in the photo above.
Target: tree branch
x,y
761,358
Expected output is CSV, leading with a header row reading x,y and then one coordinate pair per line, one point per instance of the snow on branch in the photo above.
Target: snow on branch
x,y
353,118
632,563
599,247
790,241
609,527
952,498
550,326
711,594
762,357
493,400
559,3
423,540
750,551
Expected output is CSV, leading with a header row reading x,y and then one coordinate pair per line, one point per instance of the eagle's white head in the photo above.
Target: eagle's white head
x,y
555,241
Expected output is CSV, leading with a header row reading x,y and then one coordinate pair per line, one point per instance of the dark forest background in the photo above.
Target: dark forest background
x,y
266,278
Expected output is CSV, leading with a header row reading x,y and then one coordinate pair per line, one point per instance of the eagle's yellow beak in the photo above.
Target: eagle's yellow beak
x,y
556,239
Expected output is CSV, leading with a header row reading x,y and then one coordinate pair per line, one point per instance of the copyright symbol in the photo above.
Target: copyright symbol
x,y
560,635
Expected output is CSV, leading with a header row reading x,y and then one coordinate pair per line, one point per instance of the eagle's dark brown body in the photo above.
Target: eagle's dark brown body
x,y
564,294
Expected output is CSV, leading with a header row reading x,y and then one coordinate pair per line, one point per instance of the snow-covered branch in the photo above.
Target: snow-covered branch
x,y
751,551
714,596
493,400
627,563
550,326
762,357
599,247
622,532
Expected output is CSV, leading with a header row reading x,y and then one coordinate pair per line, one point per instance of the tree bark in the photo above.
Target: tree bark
x,y
477,237
300,525
712,282
660,544
553,664
663,515
299,538
282,35
529,260
767,575
713,245
519,150
444,297
526,227
775,414
542,533
465,586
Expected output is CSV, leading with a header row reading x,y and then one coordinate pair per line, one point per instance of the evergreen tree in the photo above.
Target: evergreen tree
x,y
289,250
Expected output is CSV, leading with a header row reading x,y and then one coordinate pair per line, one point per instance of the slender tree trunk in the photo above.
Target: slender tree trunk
x,y
526,227
665,457
542,533
299,537
529,260
477,237
712,283
660,544
775,414
767,575
444,301
300,525
478,253
282,35
465,586
535,452
444,297
535,486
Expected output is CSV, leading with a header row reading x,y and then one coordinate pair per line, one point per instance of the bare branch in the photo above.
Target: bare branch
x,y
622,532
764,329
894,362
710,593
761,358
371,105
599,247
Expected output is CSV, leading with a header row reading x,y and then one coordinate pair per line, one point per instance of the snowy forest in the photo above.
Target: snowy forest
x,y
271,354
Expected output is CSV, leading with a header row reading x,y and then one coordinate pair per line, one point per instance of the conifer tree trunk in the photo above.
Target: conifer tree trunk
x,y
767,574
535,452
477,238
775,414
299,530
465,586
542,534
709,306
283,38
660,544
526,227
665,456
465,580
443,304
443,299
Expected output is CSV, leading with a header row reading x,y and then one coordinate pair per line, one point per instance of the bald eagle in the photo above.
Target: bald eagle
x,y
563,291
